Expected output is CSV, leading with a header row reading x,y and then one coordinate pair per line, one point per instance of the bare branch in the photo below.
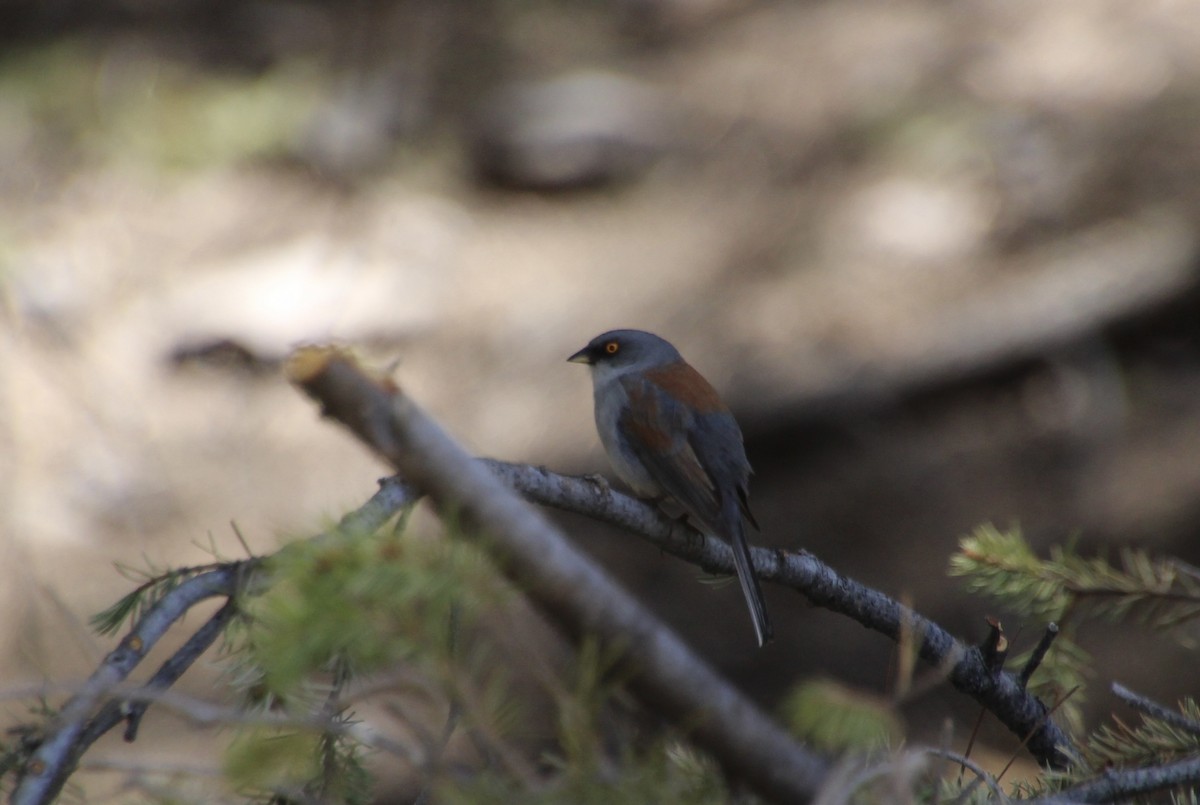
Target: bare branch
x,y
166,676
393,496
1155,710
1039,653
981,775
1002,693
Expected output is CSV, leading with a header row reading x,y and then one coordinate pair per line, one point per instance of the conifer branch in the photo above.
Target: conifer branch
x,y
170,596
743,739
1163,735
1155,710
1120,785
1164,593
1000,693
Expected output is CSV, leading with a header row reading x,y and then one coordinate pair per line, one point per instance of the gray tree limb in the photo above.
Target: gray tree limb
x,y
1155,710
1002,693
1119,785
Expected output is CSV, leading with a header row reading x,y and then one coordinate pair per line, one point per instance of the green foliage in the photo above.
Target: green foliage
x,y
354,604
1162,593
154,587
367,601
272,760
1153,742
153,110
834,719
1068,588
1002,566
344,605
300,765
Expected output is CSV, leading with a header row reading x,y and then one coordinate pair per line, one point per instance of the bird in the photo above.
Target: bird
x,y
668,435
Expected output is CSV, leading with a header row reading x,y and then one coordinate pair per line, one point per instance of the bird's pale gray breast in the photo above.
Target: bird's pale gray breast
x,y
611,400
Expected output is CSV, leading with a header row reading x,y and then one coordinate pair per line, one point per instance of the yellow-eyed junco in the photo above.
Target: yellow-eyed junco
x,y
667,433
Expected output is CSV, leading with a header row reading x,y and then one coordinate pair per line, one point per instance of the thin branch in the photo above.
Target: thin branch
x,y
980,773
567,586
1039,653
1155,710
394,495
1001,693
205,713
48,768
1119,785
166,676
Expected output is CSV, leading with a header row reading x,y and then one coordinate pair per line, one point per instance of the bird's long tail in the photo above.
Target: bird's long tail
x,y
747,578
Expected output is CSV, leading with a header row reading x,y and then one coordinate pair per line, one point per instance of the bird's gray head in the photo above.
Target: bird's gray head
x,y
619,351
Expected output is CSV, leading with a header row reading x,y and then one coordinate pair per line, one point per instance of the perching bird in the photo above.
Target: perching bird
x,y
667,433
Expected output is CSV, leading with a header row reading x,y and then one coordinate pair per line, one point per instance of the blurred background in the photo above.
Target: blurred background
x,y
940,258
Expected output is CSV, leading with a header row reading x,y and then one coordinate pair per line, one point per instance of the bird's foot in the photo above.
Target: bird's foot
x,y
598,480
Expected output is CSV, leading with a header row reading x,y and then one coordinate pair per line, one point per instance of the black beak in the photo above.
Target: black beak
x,y
582,356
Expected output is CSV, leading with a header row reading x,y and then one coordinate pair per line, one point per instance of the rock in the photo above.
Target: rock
x,y
578,130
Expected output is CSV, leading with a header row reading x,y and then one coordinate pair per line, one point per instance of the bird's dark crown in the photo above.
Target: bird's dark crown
x,y
625,347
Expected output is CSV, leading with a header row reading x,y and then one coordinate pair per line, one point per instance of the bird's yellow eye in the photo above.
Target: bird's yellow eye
x,y
612,347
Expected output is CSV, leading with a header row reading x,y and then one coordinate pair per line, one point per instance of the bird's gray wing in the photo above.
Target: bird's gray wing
x,y
659,434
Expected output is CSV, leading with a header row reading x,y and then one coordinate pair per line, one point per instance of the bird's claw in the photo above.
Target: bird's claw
x,y
598,480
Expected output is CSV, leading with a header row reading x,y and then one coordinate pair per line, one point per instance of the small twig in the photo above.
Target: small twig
x,y
205,713
172,669
437,751
161,768
995,646
981,775
394,496
1039,653
453,714
1155,710
971,739
1061,701
241,538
